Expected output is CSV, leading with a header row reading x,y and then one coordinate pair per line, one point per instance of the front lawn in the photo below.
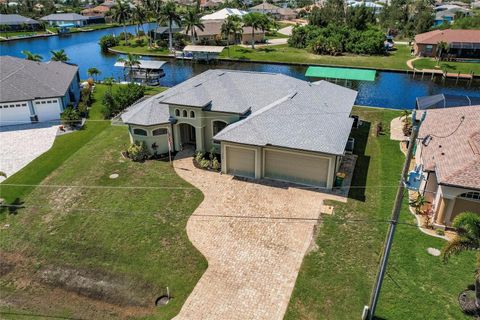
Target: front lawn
x,y
283,53
126,233
335,281
454,67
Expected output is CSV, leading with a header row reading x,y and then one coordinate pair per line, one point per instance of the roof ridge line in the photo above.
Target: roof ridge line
x,y
257,113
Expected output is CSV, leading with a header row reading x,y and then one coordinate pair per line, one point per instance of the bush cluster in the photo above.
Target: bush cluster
x,y
138,151
115,101
108,41
70,117
335,40
210,163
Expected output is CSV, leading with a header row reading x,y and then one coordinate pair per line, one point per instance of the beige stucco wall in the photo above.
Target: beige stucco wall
x,y
462,205
431,187
150,139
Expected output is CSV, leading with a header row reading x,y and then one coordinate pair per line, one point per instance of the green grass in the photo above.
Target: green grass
x,y
283,53
454,67
63,148
335,281
95,27
134,234
10,34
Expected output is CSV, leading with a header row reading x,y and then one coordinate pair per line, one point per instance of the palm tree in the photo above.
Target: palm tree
x,y
139,16
59,55
93,72
32,56
121,14
419,203
256,21
169,14
154,8
129,63
192,21
405,114
467,239
442,47
231,25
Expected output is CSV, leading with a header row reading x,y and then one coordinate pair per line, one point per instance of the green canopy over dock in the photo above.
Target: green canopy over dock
x,y
341,73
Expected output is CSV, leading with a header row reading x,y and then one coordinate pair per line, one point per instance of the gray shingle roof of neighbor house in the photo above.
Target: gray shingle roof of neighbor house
x,y
64,17
15,19
22,79
281,110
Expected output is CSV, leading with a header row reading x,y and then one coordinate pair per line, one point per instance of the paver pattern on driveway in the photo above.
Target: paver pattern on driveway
x,y
254,237
20,144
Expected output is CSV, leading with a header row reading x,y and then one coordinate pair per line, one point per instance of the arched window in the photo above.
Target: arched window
x,y
218,126
139,132
192,114
160,131
470,195
184,113
177,113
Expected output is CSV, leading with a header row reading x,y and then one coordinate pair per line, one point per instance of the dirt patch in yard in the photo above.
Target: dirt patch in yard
x,y
84,294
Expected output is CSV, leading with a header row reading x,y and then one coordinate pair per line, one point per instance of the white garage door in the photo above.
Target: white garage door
x,y
240,162
14,114
296,167
50,110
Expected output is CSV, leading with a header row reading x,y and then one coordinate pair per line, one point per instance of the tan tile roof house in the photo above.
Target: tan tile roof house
x,y
461,43
264,125
212,32
449,152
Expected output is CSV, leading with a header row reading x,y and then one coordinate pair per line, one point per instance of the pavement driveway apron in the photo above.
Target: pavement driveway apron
x,y
253,257
21,144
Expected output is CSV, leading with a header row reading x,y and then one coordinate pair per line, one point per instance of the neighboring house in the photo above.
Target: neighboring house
x,y
264,125
265,8
97,11
13,22
376,8
61,19
461,43
161,32
36,91
222,14
445,101
212,33
448,16
449,153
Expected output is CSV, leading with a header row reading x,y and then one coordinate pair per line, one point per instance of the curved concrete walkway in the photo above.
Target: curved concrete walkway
x,y
254,237
410,62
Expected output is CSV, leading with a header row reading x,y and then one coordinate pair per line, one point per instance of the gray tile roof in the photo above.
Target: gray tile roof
x,y
315,118
147,113
283,111
15,19
63,17
22,79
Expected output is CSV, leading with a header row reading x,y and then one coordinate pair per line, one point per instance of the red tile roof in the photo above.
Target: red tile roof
x,y
454,150
448,36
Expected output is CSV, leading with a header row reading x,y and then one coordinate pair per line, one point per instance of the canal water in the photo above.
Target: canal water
x,y
389,90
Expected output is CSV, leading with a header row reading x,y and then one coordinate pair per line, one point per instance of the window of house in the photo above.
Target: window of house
x,y
192,114
43,102
37,102
17,105
177,113
184,113
139,132
12,106
24,104
218,126
470,195
160,131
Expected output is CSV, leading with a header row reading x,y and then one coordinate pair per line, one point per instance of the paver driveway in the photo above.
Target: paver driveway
x,y
254,257
21,144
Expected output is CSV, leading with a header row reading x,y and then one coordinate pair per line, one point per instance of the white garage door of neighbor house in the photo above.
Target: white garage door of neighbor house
x,y
240,162
47,111
14,114
296,167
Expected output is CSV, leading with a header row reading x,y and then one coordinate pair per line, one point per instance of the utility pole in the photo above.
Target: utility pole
x,y
395,215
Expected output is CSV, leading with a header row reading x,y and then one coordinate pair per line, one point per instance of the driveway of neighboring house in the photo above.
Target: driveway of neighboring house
x,y
254,237
20,144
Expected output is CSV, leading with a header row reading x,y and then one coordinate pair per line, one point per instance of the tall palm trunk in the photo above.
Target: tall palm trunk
x,y
170,37
253,38
125,33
